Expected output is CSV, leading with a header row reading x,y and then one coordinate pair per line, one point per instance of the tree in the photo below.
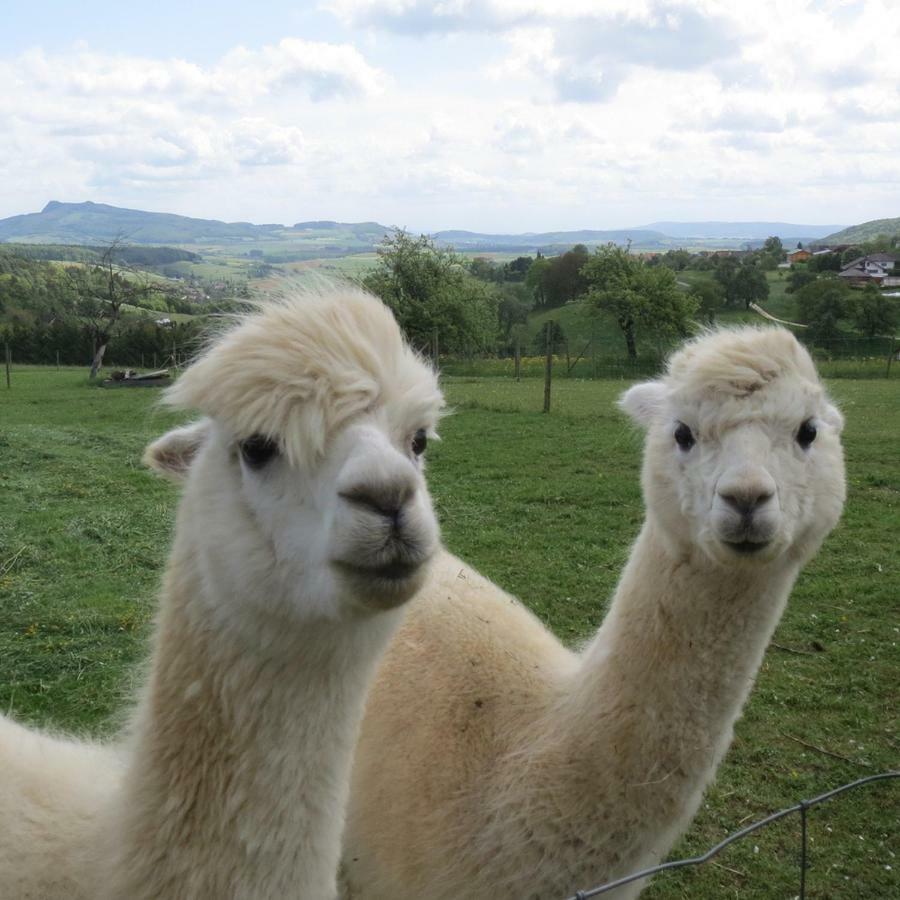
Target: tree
x,y
873,313
743,282
710,296
515,304
799,277
563,279
824,262
772,253
557,339
428,288
641,299
484,268
535,279
677,260
822,304
517,269
102,289
750,284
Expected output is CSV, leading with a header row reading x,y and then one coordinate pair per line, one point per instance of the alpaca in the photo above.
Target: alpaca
x,y
493,762
304,526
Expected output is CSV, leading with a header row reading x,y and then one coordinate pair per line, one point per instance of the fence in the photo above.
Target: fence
x,y
592,359
800,809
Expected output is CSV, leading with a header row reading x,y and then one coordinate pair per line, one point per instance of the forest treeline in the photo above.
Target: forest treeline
x,y
445,302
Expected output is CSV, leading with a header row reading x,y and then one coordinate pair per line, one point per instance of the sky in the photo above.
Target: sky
x,y
488,115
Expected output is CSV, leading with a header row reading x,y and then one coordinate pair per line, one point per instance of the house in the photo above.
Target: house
x,y
876,268
798,255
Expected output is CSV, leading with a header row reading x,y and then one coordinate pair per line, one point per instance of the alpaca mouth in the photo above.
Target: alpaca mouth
x,y
397,570
746,548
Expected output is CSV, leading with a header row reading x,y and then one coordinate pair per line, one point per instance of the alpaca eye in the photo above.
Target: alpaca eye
x,y
684,437
257,450
806,434
419,442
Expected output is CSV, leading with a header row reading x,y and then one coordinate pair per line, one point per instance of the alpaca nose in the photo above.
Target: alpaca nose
x,y
384,499
746,498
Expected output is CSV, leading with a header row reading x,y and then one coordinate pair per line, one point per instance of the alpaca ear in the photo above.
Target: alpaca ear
x,y
834,417
172,454
644,402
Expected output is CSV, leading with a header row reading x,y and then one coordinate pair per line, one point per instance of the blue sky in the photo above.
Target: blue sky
x,y
500,115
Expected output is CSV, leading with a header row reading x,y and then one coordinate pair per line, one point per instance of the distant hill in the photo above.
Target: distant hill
x,y
548,240
97,223
746,231
857,234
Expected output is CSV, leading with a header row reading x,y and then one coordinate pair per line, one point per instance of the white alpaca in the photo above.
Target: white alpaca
x,y
493,762
303,527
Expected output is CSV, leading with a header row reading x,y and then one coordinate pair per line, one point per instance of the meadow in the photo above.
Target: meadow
x,y
546,505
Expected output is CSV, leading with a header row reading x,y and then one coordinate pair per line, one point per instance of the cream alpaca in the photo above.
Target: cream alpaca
x,y
493,762
304,525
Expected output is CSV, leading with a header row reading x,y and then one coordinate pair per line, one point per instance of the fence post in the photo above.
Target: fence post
x,y
518,360
435,350
890,358
548,367
8,359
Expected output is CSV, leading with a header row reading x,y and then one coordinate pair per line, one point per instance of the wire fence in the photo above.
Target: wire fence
x,y
800,809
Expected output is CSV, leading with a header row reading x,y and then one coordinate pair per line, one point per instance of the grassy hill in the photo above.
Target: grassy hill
x,y
93,223
867,231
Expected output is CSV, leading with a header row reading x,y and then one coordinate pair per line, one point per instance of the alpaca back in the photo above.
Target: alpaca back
x,y
51,795
461,686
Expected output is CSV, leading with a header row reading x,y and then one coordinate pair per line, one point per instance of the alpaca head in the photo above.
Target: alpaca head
x,y
743,456
304,485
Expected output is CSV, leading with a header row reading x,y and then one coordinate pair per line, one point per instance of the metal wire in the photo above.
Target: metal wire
x,y
800,807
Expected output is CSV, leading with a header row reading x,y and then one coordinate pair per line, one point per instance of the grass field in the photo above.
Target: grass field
x,y
546,506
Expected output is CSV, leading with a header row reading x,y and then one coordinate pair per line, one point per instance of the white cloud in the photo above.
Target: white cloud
x,y
506,115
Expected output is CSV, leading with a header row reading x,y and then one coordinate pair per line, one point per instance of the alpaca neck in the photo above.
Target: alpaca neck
x,y
240,753
659,688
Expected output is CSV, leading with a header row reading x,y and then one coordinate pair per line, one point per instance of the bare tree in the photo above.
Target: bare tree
x,y
102,289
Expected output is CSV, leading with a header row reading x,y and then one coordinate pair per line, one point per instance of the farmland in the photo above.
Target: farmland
x,y
546,506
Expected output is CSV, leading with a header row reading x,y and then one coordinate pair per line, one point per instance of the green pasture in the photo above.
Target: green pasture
x,y
547,506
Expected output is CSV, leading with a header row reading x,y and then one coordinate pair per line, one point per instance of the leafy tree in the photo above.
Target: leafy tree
x,y
873,313
641,299
799,277
515,304
535,279
428,288
485,269
750,284
710,296
822,304
824,262
772,253
774,247
743,282
563,279
677,260
517,269
557,340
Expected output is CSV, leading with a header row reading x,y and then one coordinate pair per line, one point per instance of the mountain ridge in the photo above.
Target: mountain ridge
x,y
89,222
